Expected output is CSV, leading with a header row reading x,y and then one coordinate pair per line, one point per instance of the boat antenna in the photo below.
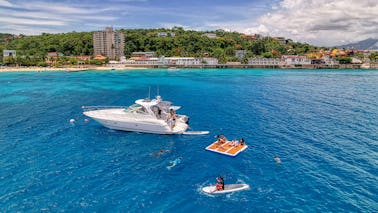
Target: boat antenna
x,y
149,92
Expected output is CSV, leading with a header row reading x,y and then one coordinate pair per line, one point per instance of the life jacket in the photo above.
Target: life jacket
x,y
219,187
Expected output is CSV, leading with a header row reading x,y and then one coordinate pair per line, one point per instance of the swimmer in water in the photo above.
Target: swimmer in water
x,y
160,152
174,163
277,159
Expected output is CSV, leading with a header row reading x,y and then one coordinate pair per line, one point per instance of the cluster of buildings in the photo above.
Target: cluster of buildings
x,y
286,61
148,58
110,44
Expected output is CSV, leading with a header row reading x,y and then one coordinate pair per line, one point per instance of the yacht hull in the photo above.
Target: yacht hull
x,y
125,123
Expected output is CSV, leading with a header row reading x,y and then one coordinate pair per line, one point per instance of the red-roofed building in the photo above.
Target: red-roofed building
x,y
99,57
250,37
52,54
143,60
82,57
52,57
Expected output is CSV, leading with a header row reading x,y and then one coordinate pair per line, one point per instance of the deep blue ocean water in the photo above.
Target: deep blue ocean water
x,y
323,124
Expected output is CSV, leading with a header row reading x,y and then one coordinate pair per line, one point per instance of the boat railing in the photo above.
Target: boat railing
x,y
90,108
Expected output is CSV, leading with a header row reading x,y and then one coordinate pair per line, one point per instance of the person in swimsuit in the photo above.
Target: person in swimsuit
x,y
174,163
235,142
160,152
242,141
277,159
219,186
221,139
171,120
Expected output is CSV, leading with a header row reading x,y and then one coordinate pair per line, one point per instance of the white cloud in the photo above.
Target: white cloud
x,y
290,4
24,21
170,25
60,8
127,1
318,22
323,22
52,17
27,30
4,3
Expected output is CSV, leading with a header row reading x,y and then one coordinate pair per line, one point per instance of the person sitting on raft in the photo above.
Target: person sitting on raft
x,y
221,139
235,142
242,142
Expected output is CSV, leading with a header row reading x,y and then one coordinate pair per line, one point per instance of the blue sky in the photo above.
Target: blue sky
x,y
318,22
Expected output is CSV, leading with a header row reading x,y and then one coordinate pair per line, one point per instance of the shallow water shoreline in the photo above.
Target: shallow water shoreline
x,y
140,67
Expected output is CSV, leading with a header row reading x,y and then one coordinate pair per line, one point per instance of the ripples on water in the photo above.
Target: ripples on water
x,y
322,124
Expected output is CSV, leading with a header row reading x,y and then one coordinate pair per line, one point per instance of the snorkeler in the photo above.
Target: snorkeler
x,y
174,163
277,159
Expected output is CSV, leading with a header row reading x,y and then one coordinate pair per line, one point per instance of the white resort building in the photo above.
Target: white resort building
x,y
265,61
143,54
295,60
179,61
9,53
170,61
210,61
210,35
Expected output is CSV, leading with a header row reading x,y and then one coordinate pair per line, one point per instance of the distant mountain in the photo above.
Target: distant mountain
x,y
368,44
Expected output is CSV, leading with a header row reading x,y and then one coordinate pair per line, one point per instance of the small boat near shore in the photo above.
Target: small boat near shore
x,y
228,188
173,69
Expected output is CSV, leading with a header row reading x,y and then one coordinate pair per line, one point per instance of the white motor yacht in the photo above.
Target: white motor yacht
x,y
146,115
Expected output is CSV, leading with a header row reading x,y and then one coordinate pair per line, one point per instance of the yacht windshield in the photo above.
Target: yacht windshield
x,y
164,105
136,108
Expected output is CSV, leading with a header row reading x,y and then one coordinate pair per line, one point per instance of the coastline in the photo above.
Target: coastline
x,y
65,69
142,67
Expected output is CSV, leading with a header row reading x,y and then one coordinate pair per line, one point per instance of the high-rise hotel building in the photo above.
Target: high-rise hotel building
x,y
108,43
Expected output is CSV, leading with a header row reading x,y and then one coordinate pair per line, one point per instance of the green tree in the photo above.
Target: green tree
x,y
373,56
267,55
344,60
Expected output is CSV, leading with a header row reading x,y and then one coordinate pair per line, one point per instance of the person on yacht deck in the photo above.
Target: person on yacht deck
x,y
171,120
157,111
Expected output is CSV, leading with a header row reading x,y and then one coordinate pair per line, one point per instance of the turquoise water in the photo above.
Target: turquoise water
x,y
323,124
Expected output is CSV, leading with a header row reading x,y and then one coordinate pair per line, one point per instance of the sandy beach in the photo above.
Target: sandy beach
x,y
65,69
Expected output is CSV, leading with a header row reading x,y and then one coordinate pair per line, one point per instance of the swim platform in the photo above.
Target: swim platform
x,y
226,148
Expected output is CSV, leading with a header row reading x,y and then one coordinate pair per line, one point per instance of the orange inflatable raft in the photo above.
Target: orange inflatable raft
x,y
227,148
